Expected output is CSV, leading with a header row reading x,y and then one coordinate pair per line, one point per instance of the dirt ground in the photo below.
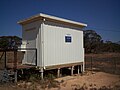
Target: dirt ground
x,y
87,81
96,79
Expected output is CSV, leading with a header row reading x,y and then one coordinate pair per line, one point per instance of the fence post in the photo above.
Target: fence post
x,y
91,64
15,65
115,65
15,58
85,63
5,60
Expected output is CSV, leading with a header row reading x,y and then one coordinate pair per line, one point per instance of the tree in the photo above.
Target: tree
x,y
109,46
3,42
9,41
92,41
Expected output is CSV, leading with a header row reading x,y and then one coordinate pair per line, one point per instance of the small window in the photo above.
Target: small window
x,y
68,39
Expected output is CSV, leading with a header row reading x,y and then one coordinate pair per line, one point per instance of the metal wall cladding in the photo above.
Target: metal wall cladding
x,y
56,50
49,39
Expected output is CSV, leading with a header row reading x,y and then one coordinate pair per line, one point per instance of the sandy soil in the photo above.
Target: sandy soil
x,y
96,79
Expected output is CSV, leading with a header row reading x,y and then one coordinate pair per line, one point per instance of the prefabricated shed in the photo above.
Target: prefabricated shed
x,y
59,42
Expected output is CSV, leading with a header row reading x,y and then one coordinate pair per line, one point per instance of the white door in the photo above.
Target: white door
x,y
31,36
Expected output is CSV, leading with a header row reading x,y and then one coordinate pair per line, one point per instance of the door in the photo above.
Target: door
x,y
31,36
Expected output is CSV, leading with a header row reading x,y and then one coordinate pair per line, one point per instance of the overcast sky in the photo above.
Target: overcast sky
x,y
103,16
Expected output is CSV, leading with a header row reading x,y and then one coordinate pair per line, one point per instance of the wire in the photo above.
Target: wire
x,y
104,29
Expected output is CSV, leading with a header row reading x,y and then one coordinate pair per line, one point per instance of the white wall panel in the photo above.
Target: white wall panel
x,y
56,50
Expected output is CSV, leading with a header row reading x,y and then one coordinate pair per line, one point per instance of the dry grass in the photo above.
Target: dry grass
x,y
89,81
103,55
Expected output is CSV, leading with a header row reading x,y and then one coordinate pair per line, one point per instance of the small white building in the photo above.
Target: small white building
x,y
59,42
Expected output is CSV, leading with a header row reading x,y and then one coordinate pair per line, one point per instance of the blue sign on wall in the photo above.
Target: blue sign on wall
x,y
68,39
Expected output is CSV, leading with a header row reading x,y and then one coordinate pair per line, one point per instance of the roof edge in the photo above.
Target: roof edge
x,y
41,15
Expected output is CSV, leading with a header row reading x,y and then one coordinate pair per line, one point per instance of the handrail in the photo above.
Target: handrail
x,y
15,50
30,49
